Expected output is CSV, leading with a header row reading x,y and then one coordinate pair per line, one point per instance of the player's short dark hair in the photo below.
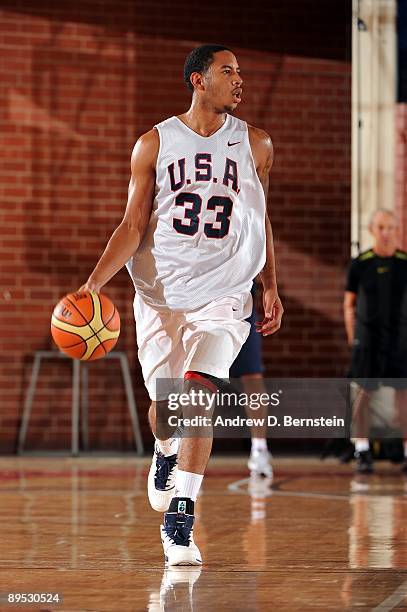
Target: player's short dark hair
x,y
199,60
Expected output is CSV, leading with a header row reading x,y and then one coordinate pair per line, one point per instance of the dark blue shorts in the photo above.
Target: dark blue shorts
x,y
249,359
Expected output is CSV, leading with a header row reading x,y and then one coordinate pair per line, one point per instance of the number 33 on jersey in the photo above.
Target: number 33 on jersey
x,y
207,224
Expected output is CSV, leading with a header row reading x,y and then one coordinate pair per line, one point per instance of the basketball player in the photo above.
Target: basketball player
x,y
194,235
248,367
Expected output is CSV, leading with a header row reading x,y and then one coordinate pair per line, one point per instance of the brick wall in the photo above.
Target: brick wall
x,y
80,82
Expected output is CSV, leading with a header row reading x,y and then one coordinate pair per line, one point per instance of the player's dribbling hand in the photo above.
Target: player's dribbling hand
x,y
89,286
273,313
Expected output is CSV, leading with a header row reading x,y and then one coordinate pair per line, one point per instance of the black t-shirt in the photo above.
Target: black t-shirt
x,y
381,305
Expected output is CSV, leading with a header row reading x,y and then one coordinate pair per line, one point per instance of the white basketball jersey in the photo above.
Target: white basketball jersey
x,y
206,234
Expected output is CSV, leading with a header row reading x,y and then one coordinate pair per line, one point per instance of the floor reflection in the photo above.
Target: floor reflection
x,y
377,527
176,592
54,509
255,536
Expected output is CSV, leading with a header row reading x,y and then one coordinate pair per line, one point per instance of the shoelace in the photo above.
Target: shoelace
x,y
165,466
180,533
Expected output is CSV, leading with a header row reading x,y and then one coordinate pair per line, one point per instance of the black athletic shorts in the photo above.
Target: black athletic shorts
x,y
370,369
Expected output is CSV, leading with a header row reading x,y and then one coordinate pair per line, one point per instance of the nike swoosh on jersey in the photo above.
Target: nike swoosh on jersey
x,y
231,144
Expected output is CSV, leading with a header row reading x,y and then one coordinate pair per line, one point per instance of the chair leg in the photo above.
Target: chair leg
x,y
131,404
76,380
84,406
28,404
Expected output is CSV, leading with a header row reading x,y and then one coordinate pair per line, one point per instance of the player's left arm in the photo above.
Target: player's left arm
x,y
263,154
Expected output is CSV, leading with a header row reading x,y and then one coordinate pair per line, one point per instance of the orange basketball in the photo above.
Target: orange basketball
x,y
85,326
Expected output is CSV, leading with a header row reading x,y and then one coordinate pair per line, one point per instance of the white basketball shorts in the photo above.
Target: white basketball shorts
x,y
207,340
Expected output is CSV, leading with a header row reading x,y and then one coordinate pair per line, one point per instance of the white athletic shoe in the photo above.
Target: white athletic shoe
x,y
260,463
178,540
161,480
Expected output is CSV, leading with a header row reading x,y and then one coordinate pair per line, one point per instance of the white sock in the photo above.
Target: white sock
x,y
187,484
168,447
361,445
259,444
405,448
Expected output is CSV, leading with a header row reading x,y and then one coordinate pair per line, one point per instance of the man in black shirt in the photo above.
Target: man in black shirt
x,y
375,312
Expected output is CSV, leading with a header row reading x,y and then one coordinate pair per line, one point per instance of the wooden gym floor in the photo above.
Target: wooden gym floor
x,y
318,540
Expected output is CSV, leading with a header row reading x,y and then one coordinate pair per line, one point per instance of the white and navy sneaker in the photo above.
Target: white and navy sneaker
x,y
177,534
259,464
161,480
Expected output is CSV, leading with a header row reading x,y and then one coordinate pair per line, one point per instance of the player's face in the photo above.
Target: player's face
x,y
223,83
384,231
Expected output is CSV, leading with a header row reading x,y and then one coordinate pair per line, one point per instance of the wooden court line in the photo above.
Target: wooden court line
x,y
392,600
274,490
236,488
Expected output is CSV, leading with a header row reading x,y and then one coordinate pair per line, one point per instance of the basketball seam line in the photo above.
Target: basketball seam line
x,y
101,343
77,310
84,339
74,334
107,322
104,326
69,323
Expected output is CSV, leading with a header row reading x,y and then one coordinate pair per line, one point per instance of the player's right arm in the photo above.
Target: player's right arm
x,y
349,305
127,237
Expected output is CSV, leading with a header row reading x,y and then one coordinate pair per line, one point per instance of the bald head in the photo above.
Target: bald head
x,y
383,227
381,214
